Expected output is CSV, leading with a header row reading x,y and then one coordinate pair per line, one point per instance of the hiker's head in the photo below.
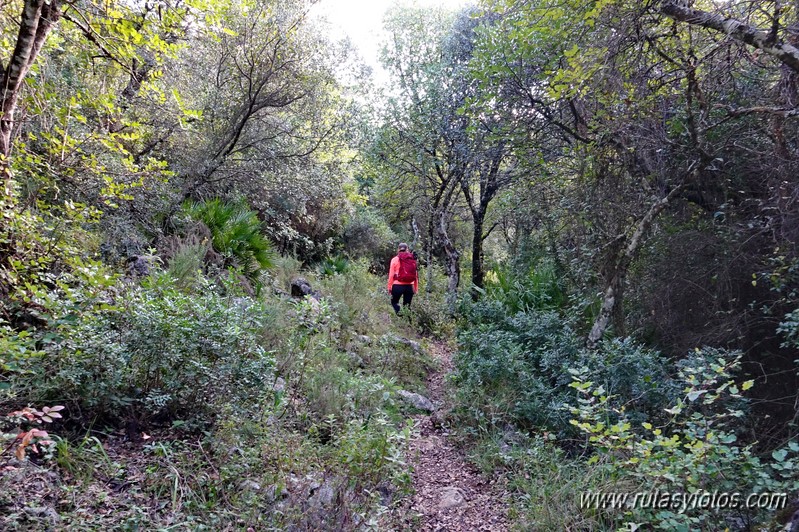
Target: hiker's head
x,y
402,247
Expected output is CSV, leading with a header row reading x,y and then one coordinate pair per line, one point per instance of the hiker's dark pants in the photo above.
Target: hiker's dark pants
x,y
404,291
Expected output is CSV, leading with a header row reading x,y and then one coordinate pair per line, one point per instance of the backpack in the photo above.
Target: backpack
x,y
407,268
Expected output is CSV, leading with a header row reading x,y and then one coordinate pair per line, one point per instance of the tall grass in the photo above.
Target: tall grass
x,y
537,288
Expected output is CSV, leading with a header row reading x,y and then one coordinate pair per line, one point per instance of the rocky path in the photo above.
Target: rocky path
x,y
450,494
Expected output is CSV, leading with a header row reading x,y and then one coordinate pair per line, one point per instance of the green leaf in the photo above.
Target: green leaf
x,y
694,395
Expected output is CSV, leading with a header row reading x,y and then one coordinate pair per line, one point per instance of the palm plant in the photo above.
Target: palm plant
x,y
236,234
333,265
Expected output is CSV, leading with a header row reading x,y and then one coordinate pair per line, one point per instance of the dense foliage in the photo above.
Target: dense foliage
x,y
603,196
650,424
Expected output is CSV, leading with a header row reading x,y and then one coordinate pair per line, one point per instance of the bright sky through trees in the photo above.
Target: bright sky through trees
x,y
362,22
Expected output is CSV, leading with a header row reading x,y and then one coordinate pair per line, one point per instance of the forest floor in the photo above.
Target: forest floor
x,y
449,493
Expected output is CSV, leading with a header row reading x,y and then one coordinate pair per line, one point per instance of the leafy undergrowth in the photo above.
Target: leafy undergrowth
x,y
563,422
192,406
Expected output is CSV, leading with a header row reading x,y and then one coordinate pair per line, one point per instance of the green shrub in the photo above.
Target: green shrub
x,y
158,351
18,353
335,396
546,482
367,235
516,367
361,303
789,328
373,449
694,450
430,316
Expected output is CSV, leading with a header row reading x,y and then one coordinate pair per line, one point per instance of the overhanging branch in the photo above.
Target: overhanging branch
x,y
740,31
785,112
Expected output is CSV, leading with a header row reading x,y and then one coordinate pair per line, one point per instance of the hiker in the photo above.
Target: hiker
x,y
403,280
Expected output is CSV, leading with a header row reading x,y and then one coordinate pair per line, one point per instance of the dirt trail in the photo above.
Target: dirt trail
x,y
450,494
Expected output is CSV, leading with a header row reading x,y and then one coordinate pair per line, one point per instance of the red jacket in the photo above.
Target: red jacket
x,y
393,270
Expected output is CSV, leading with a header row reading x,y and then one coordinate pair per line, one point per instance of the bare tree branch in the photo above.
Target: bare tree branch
x,y
786,53
785,112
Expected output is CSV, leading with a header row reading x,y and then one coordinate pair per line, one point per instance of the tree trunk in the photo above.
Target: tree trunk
x,y
429,252
613,294
490,183
605,313
453,264
36,21
617,319
478,276
415,228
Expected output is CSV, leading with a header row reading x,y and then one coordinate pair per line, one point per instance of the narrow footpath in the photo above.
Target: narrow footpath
x,y
450,493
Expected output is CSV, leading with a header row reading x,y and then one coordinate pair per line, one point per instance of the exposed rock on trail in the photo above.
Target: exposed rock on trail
x,y
420,402
450,494
300,287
